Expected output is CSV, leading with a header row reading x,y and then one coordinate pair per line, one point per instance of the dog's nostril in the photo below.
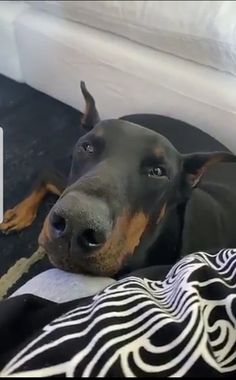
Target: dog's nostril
x,y
58,223
91,239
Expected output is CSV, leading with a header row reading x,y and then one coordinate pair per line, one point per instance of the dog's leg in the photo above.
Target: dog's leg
x,y
24,213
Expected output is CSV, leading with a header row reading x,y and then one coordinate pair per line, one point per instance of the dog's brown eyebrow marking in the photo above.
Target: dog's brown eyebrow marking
x,y
99,132
159,152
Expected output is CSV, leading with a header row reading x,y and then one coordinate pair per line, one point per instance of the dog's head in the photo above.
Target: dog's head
x,y
123,180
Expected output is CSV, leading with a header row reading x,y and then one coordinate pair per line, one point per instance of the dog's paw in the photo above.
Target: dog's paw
x,y
17,218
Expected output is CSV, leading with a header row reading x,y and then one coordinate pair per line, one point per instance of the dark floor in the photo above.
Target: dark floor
x,y
37,130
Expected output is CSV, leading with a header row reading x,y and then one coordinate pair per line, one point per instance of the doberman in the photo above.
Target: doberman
x,y
129,201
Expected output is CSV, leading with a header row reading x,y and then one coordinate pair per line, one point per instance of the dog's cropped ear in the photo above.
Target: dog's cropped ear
x,y
90,116
196,164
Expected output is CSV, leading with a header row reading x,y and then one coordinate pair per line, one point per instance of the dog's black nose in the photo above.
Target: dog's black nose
x,y
82,220
91,239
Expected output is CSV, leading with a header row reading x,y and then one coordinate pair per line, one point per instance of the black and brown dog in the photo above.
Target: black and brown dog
x,y
129,201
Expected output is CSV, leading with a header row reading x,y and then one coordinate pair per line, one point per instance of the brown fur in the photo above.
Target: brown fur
x,y
159,152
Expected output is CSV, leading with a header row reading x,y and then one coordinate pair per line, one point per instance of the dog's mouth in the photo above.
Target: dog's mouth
x,y
106,260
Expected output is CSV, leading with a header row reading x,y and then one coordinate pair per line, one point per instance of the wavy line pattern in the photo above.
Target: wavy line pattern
x,y
137,327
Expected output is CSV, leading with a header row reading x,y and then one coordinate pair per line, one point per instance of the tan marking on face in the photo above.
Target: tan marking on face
x,y
99,132
136,228
159,152
161,214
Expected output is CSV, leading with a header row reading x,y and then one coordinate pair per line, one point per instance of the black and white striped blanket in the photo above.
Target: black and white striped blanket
x,y
184,325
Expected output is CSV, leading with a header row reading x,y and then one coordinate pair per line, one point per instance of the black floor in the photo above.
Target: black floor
x,y
37,130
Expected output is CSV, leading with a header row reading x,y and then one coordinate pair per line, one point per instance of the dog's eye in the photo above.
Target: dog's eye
x,y
156,172
86,147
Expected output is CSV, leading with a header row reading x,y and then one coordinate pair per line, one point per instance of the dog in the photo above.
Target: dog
x,y
130,201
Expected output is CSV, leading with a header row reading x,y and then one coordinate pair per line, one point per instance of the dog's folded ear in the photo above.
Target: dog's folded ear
x,y
196,164
90,116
